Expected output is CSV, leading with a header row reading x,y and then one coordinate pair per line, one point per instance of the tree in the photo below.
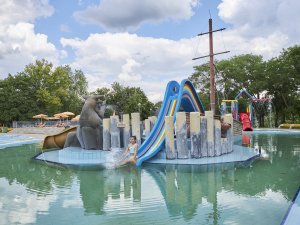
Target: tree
x,y
127,99
278,78
201,80
40,88
283,72
16,102
242,71
77,88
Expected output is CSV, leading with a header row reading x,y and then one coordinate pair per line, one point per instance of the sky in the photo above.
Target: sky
x,y
140,43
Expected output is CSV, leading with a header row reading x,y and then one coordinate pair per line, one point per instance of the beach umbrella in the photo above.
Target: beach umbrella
x,y
40,116
51,118
68,113
60,115
76,118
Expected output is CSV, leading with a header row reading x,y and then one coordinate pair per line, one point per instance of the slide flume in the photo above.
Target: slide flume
x,y
244,118
176,95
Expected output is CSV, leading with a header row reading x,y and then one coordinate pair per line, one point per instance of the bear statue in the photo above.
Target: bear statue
x,y
89,131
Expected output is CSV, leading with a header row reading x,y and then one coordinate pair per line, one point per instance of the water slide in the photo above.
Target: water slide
x,y
176,96
245,119
57,140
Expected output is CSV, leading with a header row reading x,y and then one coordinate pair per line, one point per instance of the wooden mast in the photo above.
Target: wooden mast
x,y
211,68
211,63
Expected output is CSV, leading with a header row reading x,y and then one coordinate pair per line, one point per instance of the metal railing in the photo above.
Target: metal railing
x,y
26,124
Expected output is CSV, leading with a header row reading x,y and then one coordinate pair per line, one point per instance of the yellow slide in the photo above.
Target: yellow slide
x,y
57,140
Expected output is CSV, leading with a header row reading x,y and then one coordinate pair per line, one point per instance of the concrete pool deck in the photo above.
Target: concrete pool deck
x,y
77,157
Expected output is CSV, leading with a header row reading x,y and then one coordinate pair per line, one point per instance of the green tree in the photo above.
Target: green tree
x,y
283,72
40,88
127,99
242,71
77,88
201,81
16,102
278,78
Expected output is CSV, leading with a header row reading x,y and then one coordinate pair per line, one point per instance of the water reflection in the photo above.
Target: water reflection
x,y
17,166
96,187
185,187
165,193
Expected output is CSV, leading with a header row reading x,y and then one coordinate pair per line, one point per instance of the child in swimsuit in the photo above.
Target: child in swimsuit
x,y
132,149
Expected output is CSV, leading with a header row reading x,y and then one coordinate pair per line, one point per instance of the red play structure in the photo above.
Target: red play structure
x,y
245,119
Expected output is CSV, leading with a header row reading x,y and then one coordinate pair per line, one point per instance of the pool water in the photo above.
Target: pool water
x,y
34,192
8,140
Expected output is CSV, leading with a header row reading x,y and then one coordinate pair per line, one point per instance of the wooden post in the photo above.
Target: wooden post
x,y
181,136
170,142
218,150
136,127
224,146
126,130
229,119
147,127
211,68
152,121
203,136
195,134
106,134
210,133
115,132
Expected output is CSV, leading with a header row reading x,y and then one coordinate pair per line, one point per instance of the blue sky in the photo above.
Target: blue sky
x,y
63,23
139,43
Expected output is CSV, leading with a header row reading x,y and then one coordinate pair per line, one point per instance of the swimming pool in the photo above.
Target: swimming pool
x,y
33,192
9,140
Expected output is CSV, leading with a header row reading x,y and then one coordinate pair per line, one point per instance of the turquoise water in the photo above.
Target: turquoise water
x,y
33,192
8,140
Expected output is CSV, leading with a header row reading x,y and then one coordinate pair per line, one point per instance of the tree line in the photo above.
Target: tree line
x,y
43,88
277,78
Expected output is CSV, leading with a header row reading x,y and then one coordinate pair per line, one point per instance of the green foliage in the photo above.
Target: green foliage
x,y
127,100
243,105
40,88
277,78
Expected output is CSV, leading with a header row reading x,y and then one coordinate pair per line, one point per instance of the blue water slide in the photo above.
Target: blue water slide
x,y
176,95
146,150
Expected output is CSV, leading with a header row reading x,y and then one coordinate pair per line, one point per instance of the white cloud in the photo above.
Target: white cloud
x,y
132,60
14,11
263,19
127,73
258,27
26,205
19,43
268,46
117,15
151,62
18,40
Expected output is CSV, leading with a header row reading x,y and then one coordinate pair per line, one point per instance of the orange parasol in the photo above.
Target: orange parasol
x,y
68,113
40,116
60,115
